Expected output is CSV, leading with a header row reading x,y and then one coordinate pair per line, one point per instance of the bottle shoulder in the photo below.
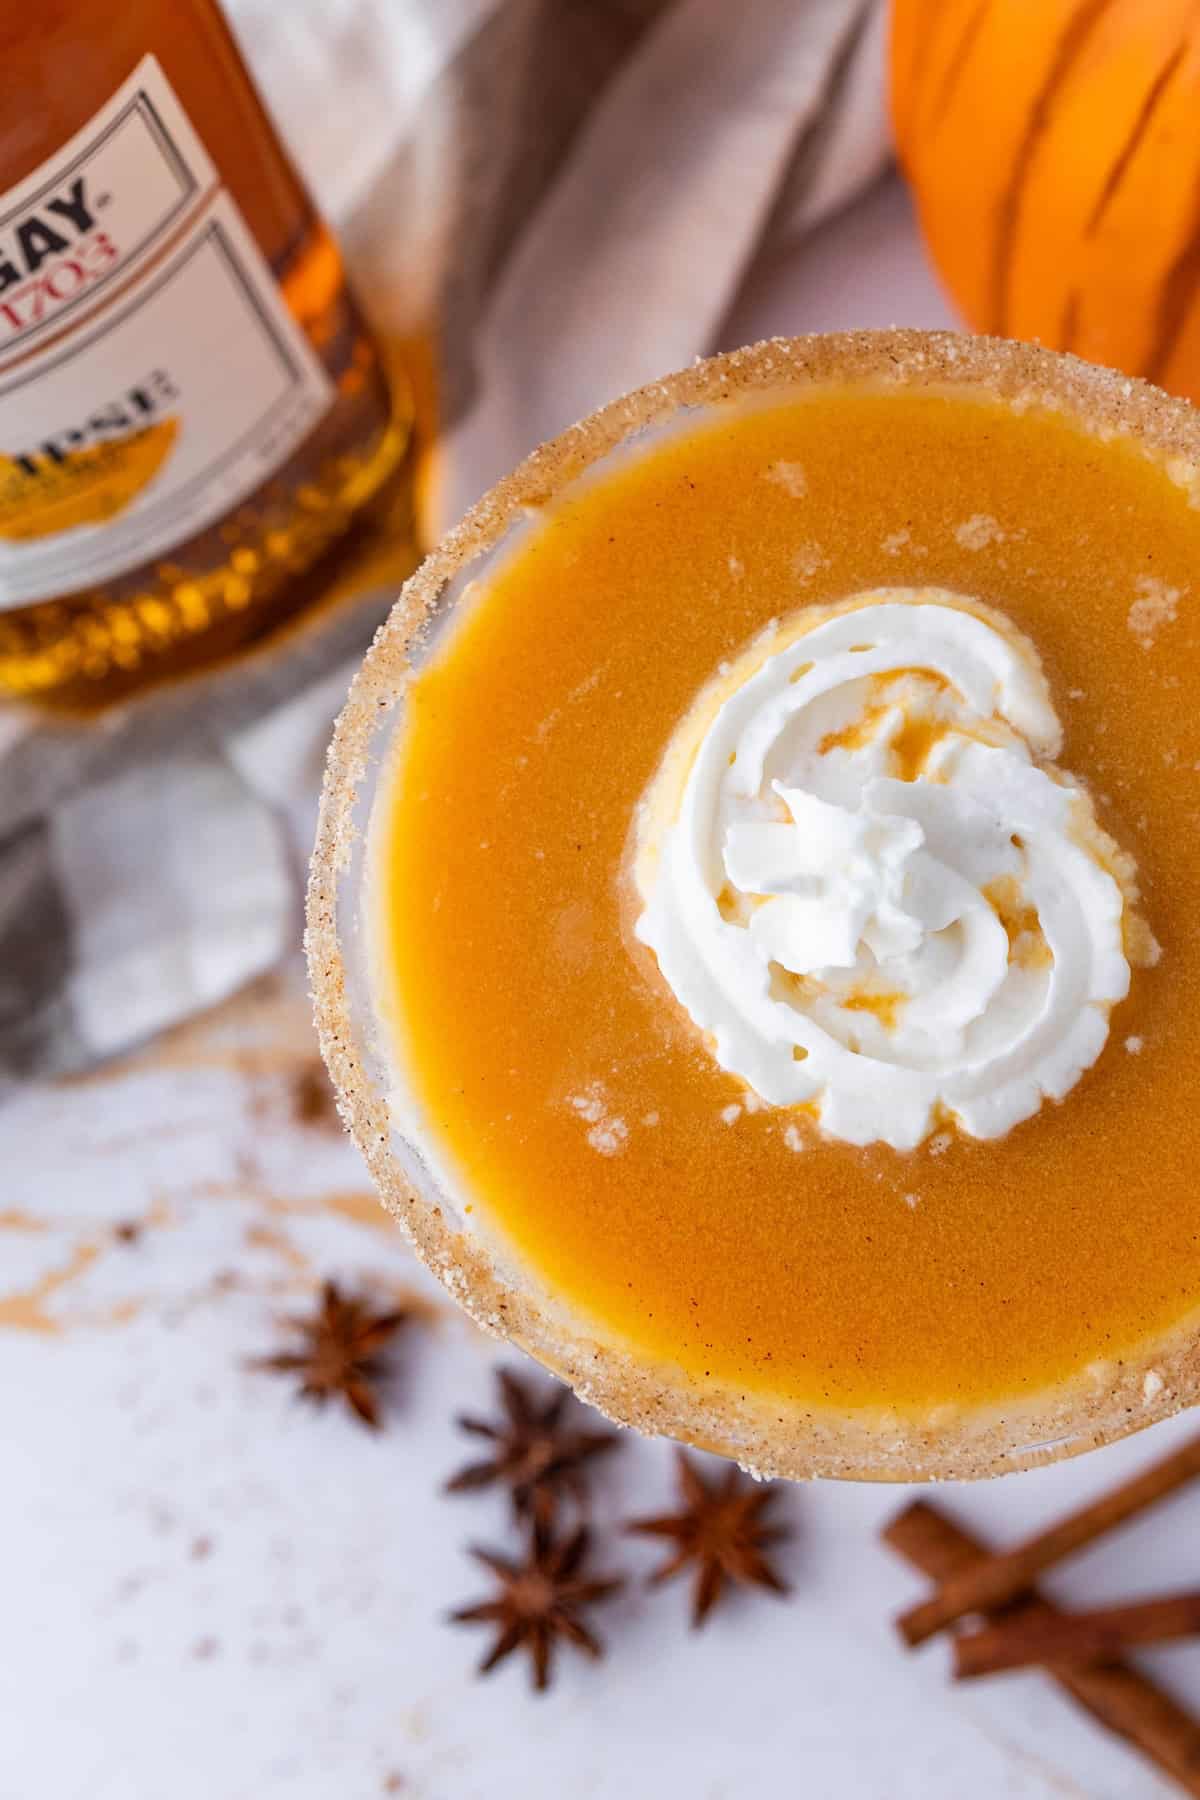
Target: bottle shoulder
x,y
65,60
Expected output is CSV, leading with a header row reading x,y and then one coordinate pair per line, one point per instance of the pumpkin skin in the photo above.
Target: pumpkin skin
x,y
1053,147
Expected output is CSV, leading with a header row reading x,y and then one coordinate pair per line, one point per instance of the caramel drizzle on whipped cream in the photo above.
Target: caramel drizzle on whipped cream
x,y
868,884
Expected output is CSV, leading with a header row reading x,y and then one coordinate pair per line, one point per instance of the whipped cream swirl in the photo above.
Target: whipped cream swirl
x,y
865,884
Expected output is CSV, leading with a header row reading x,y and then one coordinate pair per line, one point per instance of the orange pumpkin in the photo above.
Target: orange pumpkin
x,y
1053,147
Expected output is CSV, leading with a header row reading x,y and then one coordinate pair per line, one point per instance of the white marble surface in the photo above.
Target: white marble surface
x,y
210,1592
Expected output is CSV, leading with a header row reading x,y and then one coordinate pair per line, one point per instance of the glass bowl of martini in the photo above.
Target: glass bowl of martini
x,y
754,924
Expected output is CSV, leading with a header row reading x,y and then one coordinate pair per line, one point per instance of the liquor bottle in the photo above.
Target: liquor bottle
x,y
191,406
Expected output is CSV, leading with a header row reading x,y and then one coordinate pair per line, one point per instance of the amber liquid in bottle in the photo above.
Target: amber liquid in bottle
x,y
225,584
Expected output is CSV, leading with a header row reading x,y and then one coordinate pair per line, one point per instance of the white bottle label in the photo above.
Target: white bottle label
x,y
151,376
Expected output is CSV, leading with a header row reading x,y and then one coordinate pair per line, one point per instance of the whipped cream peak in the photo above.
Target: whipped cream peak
x,y
865,882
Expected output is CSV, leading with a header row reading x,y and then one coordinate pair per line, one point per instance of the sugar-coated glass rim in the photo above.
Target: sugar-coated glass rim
x,y
769,1434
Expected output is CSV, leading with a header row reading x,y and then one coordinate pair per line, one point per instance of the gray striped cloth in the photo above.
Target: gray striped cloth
x,y
568,196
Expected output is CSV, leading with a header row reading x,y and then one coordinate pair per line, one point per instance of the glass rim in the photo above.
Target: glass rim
x,y
770,1434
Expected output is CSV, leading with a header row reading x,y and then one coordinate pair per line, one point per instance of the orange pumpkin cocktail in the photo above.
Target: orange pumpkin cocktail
x,y
754,924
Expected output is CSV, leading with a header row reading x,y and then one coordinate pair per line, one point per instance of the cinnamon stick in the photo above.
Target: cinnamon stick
x,y
992,1582
1119,1697
1075,1637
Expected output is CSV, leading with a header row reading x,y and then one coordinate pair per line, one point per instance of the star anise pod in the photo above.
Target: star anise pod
x,y
720,1531
539,1601
341,1352
537,1454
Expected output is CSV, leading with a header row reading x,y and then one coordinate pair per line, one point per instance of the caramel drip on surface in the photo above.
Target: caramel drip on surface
x,y
27,1311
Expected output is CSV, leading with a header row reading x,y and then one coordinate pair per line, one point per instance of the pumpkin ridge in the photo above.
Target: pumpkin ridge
x,y
1178,292
1071,42
1129,149
1068,327
956,65
922,57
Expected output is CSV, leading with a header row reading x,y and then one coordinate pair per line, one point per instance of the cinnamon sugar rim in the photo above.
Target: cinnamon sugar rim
x,y
770,1435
